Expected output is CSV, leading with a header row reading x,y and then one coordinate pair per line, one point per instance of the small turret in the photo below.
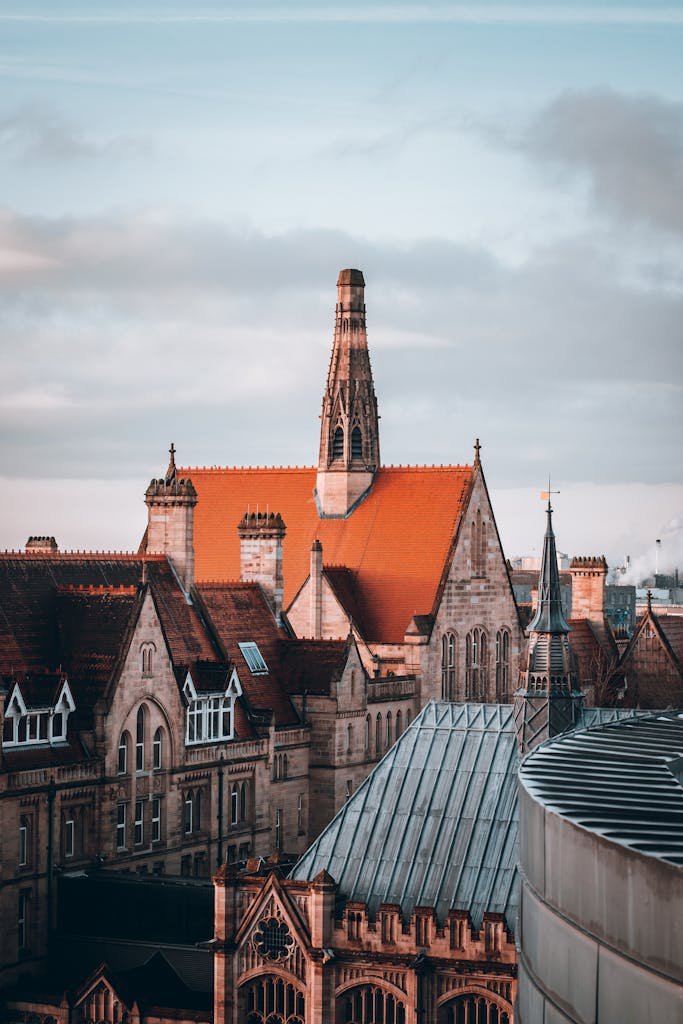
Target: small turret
x,y
170,520
261,535
548,700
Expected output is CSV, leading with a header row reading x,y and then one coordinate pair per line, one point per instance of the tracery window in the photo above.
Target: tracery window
x,y
502,664
473,1009
448,666
369,1004
476,656
272,1000
356,443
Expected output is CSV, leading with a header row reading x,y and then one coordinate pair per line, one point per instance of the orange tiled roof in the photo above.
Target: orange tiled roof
x,y
395,542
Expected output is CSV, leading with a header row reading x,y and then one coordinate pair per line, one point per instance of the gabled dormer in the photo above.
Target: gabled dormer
x,y
210,692
32,721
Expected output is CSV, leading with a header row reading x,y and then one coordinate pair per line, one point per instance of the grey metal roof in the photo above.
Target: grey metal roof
x,y
622,780
435,823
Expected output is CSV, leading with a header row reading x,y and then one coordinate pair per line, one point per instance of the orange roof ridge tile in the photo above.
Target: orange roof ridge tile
x,y
117,590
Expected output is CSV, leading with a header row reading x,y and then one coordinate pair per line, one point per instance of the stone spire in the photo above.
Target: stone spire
x,y
170,521
548,700
349,433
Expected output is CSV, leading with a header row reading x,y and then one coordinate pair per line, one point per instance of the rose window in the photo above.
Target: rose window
x,y
273,939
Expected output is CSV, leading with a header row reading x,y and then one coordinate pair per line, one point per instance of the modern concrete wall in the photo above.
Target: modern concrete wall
x,y
601,926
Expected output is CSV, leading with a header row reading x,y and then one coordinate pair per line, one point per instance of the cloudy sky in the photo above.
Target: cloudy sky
x,y
181,182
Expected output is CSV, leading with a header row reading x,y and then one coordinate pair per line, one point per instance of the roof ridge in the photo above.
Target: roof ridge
x,y
70,555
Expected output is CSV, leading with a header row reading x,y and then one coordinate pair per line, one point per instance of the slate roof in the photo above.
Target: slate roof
x,y
312,665
621,780
395,542
240,613
435,824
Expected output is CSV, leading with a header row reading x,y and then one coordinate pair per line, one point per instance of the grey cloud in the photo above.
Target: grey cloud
x,y
120,335
42,134
630,148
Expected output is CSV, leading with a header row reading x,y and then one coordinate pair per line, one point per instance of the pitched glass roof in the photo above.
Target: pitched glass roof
x,y
435,823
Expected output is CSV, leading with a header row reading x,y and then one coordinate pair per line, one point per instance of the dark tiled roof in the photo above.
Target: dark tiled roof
x,y
344,583
672,629
239,613
312,665
435,823
594,649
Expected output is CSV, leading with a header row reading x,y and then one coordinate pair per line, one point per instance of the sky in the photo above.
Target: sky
x,y
181,183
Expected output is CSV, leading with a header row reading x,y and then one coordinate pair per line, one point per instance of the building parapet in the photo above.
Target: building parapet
x,y
391,688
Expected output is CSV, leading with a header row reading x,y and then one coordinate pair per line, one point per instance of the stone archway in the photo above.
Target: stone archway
x,y
473,1008
271,999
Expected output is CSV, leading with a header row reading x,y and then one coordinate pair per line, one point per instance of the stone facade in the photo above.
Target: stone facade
x,y
294,949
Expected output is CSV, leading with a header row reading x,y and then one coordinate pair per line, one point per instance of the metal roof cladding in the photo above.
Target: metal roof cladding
x,y
435,823
623,781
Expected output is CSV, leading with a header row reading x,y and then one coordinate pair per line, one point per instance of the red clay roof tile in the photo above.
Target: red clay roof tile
x,y
395,542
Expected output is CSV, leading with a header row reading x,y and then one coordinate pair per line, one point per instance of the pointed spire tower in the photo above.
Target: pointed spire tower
x,y
548,700
349,433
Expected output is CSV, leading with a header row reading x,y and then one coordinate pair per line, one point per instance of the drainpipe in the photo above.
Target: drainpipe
x,y
51,791
220,810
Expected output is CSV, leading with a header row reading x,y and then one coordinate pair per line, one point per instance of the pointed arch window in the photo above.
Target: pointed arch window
x,y
356,443
502,664
476,661
140,739
399,723
368,721
378,735
122,761
448,650
338,443
158,750
387,734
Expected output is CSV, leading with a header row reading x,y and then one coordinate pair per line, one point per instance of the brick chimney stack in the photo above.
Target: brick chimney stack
x,y
588,574
170,521
41,546
316,616
261,535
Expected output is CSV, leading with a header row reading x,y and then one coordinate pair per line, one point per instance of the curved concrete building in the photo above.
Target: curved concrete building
x,y
601,857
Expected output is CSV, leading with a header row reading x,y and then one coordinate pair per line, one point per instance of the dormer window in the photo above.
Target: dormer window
x,y
210,716
36,726
253,658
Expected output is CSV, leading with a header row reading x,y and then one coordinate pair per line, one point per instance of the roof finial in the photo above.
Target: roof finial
x,y
546,495
477,449
171,471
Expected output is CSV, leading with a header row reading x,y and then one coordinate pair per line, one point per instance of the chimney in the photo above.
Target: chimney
x,y
170,521
261,535
588,588
316,616
41,546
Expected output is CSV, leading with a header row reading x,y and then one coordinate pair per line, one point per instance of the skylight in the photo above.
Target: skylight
x,y
253,658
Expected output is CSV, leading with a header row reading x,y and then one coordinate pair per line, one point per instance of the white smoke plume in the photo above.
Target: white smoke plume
x,y
663,558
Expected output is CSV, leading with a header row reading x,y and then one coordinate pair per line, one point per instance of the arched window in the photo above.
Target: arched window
x,y
243,801
234,804
338,443
378,735
157,750
387,733
502,664
448,667
399,723
140,740
473,548
284,767
271,1000
122,763
369,1004
356,443
482,547
476,661
349,738
407,718
198,811
188,816
147,658
368,722
473,1008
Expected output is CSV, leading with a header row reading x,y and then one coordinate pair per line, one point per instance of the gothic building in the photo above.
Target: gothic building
x,y
408,558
